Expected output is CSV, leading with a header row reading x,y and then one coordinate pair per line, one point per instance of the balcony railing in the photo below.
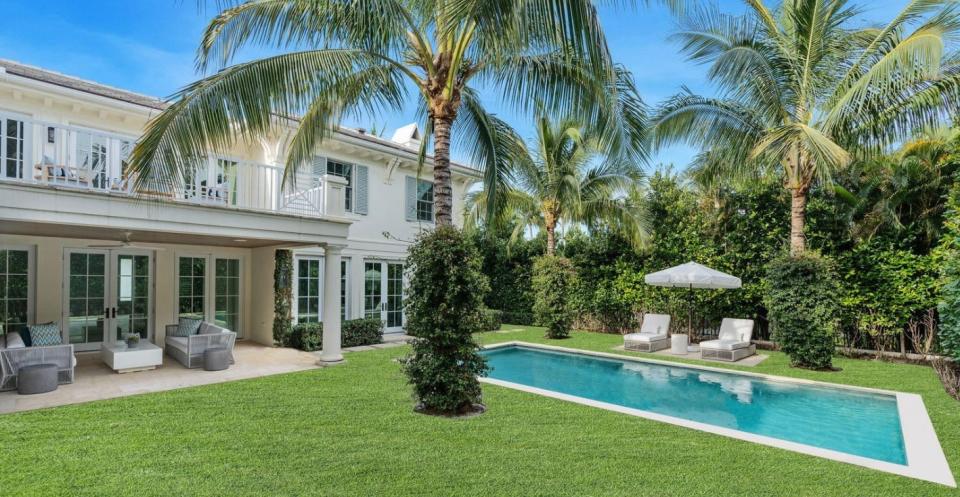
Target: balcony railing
x,y
36,152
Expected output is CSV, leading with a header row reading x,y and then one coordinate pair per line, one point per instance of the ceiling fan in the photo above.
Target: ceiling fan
x,y
126,243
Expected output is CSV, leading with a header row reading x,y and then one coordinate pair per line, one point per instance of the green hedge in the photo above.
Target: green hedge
x,y
492,320
554,280
354,332
803,299
949,253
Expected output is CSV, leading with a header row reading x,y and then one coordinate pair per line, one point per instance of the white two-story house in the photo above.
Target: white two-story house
x,y
80,248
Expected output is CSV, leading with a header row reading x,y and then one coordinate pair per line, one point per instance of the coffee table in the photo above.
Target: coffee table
x,y
120,358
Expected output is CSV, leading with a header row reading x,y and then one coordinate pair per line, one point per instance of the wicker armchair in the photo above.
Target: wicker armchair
x,y
189,350
11,360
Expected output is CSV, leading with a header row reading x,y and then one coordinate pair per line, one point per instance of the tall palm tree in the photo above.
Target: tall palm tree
x,y
566,177
804,92
362,57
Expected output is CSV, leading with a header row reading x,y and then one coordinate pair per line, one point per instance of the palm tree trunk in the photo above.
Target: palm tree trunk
x,y
798,220
442,186
551,239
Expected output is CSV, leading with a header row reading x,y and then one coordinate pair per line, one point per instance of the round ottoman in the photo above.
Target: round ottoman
x,y
216,359
38,378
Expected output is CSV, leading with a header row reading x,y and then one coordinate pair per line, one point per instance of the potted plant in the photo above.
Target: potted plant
x,y
133,339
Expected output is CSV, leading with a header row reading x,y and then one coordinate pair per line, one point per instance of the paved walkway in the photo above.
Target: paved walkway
x,y
389,341
95,381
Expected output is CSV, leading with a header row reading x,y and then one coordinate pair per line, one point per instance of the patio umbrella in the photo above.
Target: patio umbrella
x,y
692,275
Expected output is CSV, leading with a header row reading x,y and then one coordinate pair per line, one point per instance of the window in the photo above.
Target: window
x,y
308,290
344,290
226,312
225,184
424,200
12,147
192,292
345,171
14,289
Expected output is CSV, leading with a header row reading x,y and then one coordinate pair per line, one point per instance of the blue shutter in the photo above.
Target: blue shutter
x,y
361,179
411,202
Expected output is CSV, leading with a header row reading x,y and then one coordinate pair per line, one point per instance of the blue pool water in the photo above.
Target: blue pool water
x,y
859,423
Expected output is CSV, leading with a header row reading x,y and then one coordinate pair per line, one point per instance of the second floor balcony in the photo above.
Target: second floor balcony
x,y
76,158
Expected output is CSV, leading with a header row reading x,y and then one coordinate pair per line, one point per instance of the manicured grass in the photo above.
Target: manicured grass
x,y
350,430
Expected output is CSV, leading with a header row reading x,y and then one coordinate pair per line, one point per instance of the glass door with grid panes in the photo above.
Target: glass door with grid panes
x,y
208,288
15,289
108,295
383,293
14,147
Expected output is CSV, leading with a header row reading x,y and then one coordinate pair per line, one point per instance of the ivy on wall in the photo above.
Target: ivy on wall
x,y
282,297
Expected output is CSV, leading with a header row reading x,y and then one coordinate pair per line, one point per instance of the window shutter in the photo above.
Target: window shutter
x,y
411,205
311,178
360,196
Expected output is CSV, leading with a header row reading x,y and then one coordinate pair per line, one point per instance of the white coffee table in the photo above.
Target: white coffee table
x,y
678,344
120,358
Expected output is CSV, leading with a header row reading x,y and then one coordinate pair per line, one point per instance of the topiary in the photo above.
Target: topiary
x,y
554,280
282,297
444,308
803,303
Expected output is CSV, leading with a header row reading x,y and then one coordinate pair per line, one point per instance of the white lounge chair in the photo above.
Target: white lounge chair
x,y
733,343
653,334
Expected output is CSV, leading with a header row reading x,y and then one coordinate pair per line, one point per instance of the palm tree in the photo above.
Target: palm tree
x,y
803,92
362,57
903,193
566,178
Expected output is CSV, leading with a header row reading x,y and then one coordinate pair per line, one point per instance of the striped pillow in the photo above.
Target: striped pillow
x,y
187,327
45,334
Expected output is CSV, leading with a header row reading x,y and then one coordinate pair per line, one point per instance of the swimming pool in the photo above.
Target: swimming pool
x,y
854,425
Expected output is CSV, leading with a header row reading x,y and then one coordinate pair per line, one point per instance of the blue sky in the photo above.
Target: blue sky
x,y
148,46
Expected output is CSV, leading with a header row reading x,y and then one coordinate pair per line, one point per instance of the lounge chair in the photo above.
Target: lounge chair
x,y
653,334
733,342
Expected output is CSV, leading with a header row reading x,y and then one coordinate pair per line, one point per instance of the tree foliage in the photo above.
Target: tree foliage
x,y
444,307
949,255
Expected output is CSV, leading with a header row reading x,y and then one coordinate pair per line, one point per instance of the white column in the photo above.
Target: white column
x,y
331,305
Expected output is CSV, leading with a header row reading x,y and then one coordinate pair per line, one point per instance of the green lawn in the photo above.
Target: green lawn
x,y
350,430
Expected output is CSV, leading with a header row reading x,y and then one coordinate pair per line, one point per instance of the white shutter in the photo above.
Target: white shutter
x,y
361,178
411,196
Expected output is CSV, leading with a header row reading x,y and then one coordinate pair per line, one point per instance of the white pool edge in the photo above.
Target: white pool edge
x,y
925,457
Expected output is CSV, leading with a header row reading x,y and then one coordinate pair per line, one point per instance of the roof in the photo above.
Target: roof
x,y
94,88
73,83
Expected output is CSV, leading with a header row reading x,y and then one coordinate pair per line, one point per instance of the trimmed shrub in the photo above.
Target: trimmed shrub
x,y
444,309
802,298
492,320
307,336
357,332
554,280
353,332
521,318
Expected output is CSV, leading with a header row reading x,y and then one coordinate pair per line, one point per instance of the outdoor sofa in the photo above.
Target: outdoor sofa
x,y
16,354
188,350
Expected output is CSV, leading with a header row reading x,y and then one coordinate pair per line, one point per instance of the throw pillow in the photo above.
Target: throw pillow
x,y
187,327
42,335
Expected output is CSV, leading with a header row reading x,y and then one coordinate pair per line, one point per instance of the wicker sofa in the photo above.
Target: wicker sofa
x,y
12,359
189,350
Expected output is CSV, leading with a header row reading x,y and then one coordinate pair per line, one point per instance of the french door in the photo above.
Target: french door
x,y
108,294
213,180
383,293
14,147
208,288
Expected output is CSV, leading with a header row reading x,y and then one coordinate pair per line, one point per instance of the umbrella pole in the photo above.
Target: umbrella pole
x,y
690,313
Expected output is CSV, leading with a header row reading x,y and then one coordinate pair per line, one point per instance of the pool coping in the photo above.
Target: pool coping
x,y
925,457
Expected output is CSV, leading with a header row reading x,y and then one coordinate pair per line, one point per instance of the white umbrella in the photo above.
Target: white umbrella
x,y
692,275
